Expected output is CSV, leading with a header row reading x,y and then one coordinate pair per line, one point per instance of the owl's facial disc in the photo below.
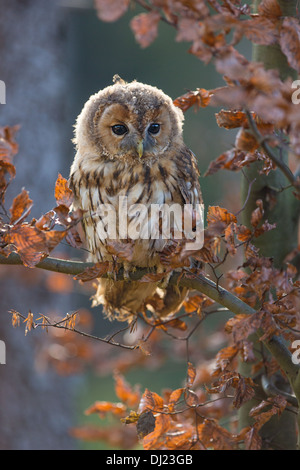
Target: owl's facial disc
x,y
126,133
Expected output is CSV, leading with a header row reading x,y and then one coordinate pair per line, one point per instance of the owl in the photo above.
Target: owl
x,y
130,150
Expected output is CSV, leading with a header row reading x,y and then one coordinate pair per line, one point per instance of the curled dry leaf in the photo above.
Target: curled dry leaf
x,y
104,407
98,270
199,98
63,194
125,392
20,207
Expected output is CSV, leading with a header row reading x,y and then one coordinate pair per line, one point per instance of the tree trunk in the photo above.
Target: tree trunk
x,y
278,432
35,407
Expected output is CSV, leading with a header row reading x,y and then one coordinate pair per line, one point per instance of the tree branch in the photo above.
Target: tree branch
x,y
269,152
196,282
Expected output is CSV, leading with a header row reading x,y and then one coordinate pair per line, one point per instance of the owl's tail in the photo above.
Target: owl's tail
x,y
122,300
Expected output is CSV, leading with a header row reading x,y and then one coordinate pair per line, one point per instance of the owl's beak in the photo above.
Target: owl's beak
x,y
140,148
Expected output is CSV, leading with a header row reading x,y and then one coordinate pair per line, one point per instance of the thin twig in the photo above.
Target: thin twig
x,y
269,152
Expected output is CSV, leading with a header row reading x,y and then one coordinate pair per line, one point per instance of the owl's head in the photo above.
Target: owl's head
x,y
130,121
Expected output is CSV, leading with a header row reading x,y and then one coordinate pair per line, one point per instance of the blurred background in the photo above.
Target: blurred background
x,y
54,55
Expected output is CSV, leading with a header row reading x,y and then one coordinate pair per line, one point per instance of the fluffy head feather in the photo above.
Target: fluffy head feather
x,y
135,106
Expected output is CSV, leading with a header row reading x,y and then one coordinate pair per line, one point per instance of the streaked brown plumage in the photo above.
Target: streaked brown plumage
x,y
148,164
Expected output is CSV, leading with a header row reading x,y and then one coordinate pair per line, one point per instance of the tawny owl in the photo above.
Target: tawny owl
x,y
130,148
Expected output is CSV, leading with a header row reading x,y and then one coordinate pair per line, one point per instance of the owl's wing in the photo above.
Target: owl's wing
x,y
188,177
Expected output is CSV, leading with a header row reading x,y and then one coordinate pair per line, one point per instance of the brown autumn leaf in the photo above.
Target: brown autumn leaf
x,y
224,358
290,41
104,407
212,435
243,233
150,401
257,214
191,375
111,10
231,119
121,250
232,160
252,439
63,194
8,144
261,30
199,98
246,141
98,270
218,214
229,238
153,439
125,392
31,243
278,404
174,398
145,27
20,207
269,8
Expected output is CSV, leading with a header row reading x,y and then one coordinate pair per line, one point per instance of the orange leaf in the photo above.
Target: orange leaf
x,y
150,401
162,424
63,194
246,141
217,214
174,397
199,98
191,374
103,407
231,119
20,207
125,393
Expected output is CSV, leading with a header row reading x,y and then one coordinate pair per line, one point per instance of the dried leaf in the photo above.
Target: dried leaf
x,y
125,392
31,243
269,8
231,119
191,375
217,214
174,398
20,207
212,435
199,98
111,10
104,407
290,41
63,194
151,401
152,440
98,270
145,27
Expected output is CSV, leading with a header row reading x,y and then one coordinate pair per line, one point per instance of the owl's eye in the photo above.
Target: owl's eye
x,y
154,128
119,129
